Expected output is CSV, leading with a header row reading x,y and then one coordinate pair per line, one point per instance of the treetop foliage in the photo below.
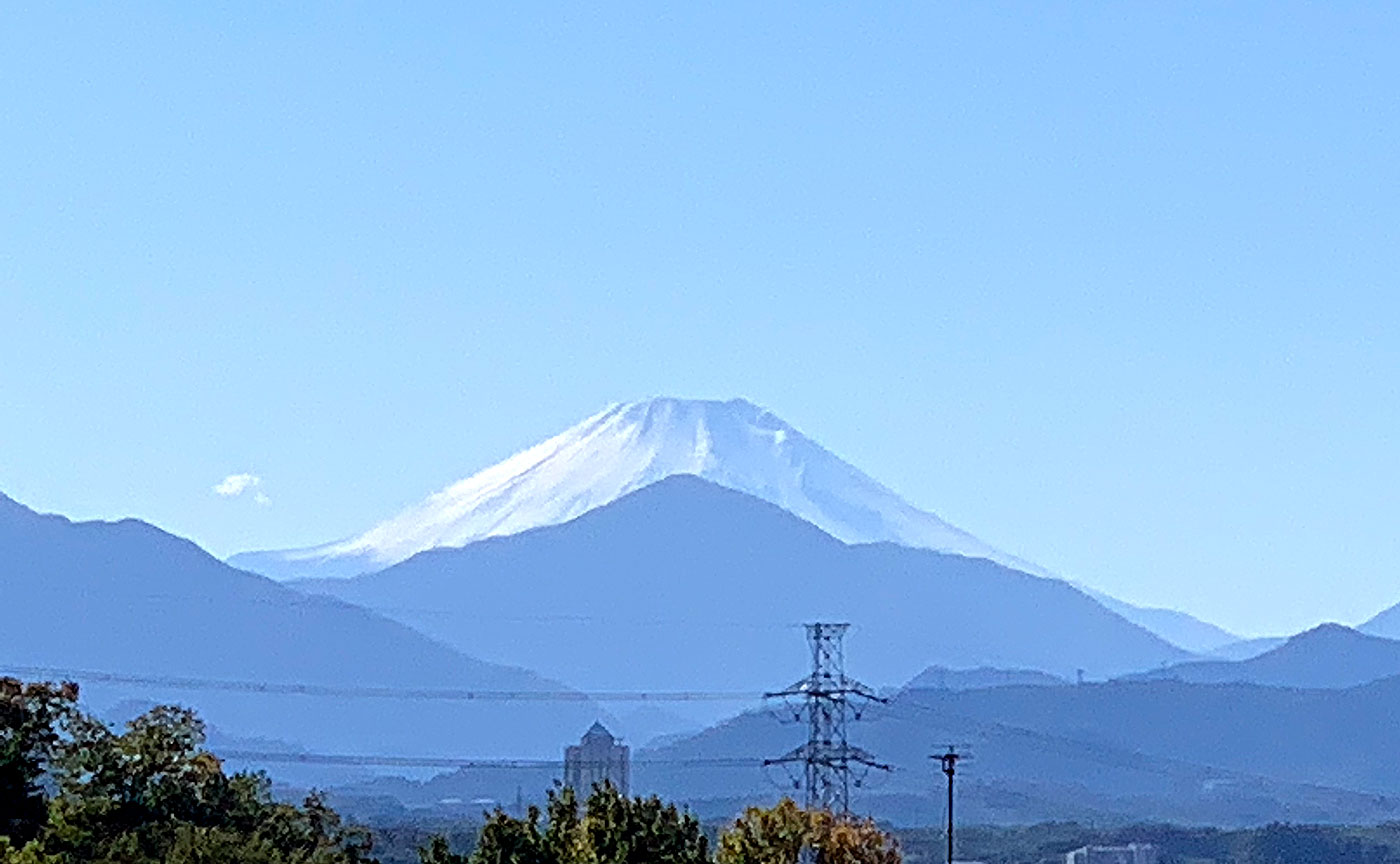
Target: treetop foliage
x,y
607,829
612,829
73,790
777,835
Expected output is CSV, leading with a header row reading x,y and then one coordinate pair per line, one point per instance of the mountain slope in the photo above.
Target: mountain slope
x,y
1327,656
1244,649
1180,629
1385,624
685,584
130,599
734,444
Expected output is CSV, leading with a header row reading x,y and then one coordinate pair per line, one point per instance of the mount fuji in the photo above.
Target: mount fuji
x,y
625,447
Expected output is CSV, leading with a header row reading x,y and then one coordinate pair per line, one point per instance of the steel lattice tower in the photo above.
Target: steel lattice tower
x,y
828,758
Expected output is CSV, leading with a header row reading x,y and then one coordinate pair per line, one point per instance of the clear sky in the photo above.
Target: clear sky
x,y
1112,286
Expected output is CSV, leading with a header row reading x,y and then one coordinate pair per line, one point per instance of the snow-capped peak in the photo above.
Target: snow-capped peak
x,y
624,448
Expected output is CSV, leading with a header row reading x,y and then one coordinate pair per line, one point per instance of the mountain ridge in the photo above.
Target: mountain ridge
x,y
1328,656
1385,623
128,599
1179,628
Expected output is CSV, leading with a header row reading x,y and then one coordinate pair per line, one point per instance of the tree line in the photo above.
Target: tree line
x,y
74,790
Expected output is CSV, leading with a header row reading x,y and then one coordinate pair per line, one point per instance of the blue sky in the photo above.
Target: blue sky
x,y
1112,286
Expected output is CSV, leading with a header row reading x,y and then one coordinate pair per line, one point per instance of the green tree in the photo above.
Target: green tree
x,y
31,719
151,793
609,829
438,852
1305,844
620,830
778,834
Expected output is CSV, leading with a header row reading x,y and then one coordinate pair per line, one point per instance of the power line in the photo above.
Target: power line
x,y
322,601
465,764
441,694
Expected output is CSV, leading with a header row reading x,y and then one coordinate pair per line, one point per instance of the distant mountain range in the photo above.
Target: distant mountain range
x,y
1329,656
1246,648
126,601
1178,628
943,678
1139,751
672,545
687,584
128,598
1385,624
1144,751
1038,748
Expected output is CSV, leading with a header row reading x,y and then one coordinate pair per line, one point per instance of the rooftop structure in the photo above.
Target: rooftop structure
x,y
596,758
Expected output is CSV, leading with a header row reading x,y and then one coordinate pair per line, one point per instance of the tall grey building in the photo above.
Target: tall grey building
x,y
598,756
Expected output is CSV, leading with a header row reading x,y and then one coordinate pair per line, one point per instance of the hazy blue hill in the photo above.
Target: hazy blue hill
x,y
1385,624
1324,737
1180,629
128,598
943,678
687,585
1149,750
1117,752
1327,656
1246,648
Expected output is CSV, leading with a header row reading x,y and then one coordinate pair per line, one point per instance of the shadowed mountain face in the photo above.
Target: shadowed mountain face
x,y
1327,656
130,599
687,585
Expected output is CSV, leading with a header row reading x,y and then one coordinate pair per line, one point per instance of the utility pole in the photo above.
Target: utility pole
x,y
950,763
827,694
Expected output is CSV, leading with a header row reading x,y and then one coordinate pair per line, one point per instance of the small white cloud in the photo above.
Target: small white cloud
x,y
261,499
236,484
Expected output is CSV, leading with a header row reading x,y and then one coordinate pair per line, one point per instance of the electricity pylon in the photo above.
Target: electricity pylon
x,y
828,758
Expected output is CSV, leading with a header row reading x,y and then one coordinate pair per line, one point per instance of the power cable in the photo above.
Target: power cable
x,y
441,694
465,764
